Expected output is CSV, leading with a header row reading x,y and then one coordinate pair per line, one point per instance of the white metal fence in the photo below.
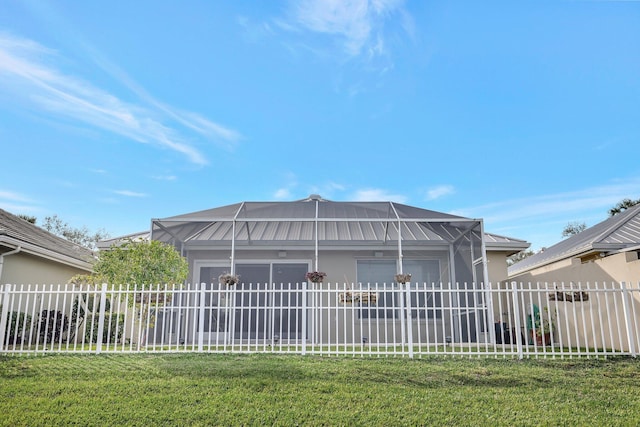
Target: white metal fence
x,y
412,320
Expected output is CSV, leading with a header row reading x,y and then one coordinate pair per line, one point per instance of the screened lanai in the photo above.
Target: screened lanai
x,y
315,227
361,246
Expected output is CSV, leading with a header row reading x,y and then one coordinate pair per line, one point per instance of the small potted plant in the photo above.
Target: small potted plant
x,y
542,325
228,279
403,278
315,276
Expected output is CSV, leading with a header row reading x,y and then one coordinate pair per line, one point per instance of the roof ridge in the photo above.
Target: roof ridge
x,y
578,243
618,223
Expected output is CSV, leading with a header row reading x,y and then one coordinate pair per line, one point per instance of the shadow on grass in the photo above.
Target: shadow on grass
x,y
261,370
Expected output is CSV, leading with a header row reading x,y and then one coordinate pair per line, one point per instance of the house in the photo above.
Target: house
x,y
357,244
605,253
348,240
31,255
577,271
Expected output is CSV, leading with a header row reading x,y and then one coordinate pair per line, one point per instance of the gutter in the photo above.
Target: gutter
x,y
48,254
15,251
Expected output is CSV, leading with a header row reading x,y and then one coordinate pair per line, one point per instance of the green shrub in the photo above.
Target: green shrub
x,y
53,325
112,332
19,327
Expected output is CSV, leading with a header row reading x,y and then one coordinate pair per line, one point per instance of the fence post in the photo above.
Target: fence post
x,y
101,315
407,297
490,314
201,317
516,318
628,320
4,315
304,317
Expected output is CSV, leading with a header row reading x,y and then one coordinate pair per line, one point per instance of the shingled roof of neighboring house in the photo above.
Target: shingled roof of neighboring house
x,y
15,233
617,233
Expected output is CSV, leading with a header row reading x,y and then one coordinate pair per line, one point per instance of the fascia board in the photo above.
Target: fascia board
x,y
47,254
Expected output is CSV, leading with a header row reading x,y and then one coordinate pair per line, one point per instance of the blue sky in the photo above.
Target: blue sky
x,y
526,114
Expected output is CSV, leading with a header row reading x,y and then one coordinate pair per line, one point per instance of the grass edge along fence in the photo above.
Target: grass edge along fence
x,y
511,320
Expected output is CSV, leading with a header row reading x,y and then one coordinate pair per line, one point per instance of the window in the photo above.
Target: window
x,y
378,274
425,286
426,296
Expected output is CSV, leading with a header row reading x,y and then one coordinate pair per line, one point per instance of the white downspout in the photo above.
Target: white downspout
x,y
15,251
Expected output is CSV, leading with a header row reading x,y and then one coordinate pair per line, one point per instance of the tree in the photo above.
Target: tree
x,y
519,257
138,263
515,258
80,236
151,264
28,218
623,206
572,228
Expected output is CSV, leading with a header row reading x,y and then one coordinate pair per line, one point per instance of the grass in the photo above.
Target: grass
x,y
265,389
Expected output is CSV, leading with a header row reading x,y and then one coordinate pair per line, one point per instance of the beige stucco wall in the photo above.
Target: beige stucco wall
x,y
497,270
622,267
497,266
26,271
23,268
603,320
600,321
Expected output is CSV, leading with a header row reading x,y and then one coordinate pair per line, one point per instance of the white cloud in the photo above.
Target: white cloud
x,y
541,219
254,32
16,203
376,194
165,177
14,197
327,190
282,194
439,191
129,193
27,74
358,23
593,199
17,209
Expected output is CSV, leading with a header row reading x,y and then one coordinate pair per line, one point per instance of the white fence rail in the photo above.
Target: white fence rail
x,y
412,320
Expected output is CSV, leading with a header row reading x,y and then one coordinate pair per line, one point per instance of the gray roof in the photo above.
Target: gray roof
x,y
616,233
495,242
14,232
296,222
346,222
134,237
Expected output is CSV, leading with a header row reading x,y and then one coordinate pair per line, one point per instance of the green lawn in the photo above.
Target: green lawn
x,y
204,389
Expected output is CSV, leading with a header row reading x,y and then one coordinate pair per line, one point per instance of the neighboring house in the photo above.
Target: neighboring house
x,y
577,270
607,252
354,243
30,255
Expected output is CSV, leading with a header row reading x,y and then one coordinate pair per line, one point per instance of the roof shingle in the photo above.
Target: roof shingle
x,y
23,232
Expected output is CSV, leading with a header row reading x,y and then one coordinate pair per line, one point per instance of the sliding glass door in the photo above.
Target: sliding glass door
x,y
267,301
